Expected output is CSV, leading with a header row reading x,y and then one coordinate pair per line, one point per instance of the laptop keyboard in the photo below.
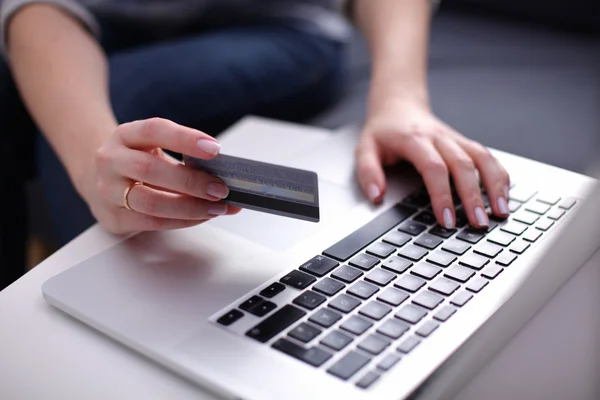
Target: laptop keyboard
x,y
367,301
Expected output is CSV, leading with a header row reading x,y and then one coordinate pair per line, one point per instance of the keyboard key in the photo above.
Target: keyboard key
x,y
456,246
556,214
532,235
381,250
459,273
526,217
412,252
474,261
501,238
272,290
298,279
353,243
309,300
349,365
263,308
336,340
521,193
428,300
412,228
313,356
461,218
344,303
426,218
251,302
544,224
519,247
513,205
427,328
441,257
488,249
230,317
375,310
409,283
325,317
380,277
471,235
367,380
393,296
393,328
516,228
397,238
409,344
319,265
477,284
347,274
418,199
304,332
548,198
492,271
388,362
411,313
356,325
328,286
505,259
374,344
442,232
277,322
444,286
444,313
364,261
363,290
428,241
567,203
425,270
461,299
397,264
537,207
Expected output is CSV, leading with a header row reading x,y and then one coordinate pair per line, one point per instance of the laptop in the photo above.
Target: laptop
x,y
372,302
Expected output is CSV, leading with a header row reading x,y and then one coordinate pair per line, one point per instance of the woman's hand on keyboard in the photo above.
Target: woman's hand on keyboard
x,y
409,131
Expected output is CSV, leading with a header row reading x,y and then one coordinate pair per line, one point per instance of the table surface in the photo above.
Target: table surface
x,y
47,355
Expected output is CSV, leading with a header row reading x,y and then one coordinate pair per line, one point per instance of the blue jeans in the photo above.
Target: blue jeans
x,y
206,80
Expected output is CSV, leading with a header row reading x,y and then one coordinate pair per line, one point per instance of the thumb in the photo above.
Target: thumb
x,y
369,169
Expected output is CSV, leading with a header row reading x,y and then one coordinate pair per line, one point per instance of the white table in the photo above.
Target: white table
x,y
45,354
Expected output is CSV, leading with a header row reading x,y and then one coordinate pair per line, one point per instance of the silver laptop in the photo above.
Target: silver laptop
x,y
370,303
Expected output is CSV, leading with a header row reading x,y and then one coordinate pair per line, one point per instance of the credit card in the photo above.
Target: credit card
x,y
264,187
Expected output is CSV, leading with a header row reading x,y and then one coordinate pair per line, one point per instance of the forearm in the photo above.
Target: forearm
x,y
397,33
61,73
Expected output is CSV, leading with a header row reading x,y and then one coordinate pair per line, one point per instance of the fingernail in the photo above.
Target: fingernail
x,y
502,205
481,217
217,190
217,209
373,191
209,146
448,219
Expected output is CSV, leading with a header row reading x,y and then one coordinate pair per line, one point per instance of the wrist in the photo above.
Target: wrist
x,y
397,99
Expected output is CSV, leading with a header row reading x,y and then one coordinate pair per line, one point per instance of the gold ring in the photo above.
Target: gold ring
x,y
126,193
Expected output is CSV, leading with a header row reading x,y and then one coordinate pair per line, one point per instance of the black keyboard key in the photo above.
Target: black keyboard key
x,y
501,238
328,286
336,340
388,362
474,261
409,344
425,270
411,313
445,313
427,328
488,249
313,356
418,199
444,286
428,300
277,322
304,332
325,317
532,235
374,344
380,277
349,365
456,246
461,298
442,232
230,317
461,218
412,252
412,228
519,247
393,296
471,235
428,241
492,271
548,198
441,257
381,250
356,325
319,265
358,239
393,328
309,300
397,264
521,193
363,290
409,283
364,261
251,302
556,214
262,309
347,274
397,238
298,279
567,203
461,274
375,310
426,218
344,303
526,217
272,290
514,227
477,284
537,207
505,259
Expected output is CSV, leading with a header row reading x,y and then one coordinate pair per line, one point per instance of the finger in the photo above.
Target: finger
x,y
370,172
158,132
171,175
495,178
464,175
